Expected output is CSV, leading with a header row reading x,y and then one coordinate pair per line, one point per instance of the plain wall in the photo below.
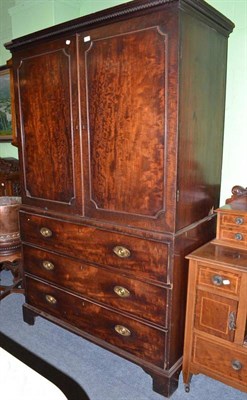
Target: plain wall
x,y
19,17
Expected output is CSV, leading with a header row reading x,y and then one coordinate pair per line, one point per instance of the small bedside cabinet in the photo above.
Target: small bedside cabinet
x,y
216,319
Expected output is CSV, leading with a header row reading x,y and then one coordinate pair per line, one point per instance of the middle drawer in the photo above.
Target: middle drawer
x,y
144,300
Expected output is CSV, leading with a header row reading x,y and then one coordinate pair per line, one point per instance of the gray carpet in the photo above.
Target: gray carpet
x,y
103,375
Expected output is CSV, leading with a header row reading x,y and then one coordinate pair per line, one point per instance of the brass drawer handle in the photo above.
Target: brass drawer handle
x,y
49,266
239,220
236,365
238,236
121,251
50,299
220,281
121,291
46,232
122,330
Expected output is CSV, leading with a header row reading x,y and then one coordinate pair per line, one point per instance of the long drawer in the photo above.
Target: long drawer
x,y
143,258
137,338
142,299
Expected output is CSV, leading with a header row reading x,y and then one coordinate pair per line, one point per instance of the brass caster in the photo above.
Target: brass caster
x,y
187,387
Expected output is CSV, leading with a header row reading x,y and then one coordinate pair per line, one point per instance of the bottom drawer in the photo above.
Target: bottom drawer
x,y
221,360
137,338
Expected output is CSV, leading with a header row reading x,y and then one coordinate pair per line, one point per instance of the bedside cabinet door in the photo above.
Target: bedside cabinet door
x,y
216,315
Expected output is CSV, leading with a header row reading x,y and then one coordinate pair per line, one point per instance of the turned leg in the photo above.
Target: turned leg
x,y
187,379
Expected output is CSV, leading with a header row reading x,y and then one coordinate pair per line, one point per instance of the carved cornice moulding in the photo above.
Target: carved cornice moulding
x,y
126,9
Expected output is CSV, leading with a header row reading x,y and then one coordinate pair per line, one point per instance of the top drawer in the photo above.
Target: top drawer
x,y
217,278
143,258
235,220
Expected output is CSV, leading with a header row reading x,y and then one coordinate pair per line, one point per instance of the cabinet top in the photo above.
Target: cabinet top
x,y
213,253
199,8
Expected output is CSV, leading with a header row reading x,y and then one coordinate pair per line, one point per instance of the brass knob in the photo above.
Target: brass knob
x,y
236,365
121,251
122,330
46,232
239,220
220,281
50,299
121,291
239,236
49,266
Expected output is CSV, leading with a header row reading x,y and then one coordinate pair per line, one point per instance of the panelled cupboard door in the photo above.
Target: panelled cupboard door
x,y
46,84
130,70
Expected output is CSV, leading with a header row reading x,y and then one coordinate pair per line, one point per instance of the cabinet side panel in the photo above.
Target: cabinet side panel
x,y
201,120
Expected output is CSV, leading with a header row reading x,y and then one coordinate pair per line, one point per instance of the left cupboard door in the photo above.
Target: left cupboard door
x,y
48,124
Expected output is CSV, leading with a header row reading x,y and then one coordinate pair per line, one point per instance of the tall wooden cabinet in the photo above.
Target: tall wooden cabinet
x,y
120,130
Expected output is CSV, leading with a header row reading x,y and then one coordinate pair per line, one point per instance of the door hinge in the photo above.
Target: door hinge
x,y
177,195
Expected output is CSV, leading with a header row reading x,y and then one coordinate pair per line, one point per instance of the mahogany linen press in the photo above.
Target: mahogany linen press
x,y
120,132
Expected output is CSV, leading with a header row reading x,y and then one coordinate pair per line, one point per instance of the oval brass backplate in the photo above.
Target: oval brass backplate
x,y
121,291
48,265
121,251
122,330
50,299
45,232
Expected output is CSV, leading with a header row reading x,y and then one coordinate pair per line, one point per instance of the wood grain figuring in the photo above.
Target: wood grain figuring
x,y
148,259
47,129
143,151
127,121
144,300
99,321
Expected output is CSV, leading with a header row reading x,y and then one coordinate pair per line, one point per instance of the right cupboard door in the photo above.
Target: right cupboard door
x,y
126,73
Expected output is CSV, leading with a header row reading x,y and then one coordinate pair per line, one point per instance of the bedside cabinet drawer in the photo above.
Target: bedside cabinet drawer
x,y
139,339
221,360
237,238
221,280
236,221
142,258
130,295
